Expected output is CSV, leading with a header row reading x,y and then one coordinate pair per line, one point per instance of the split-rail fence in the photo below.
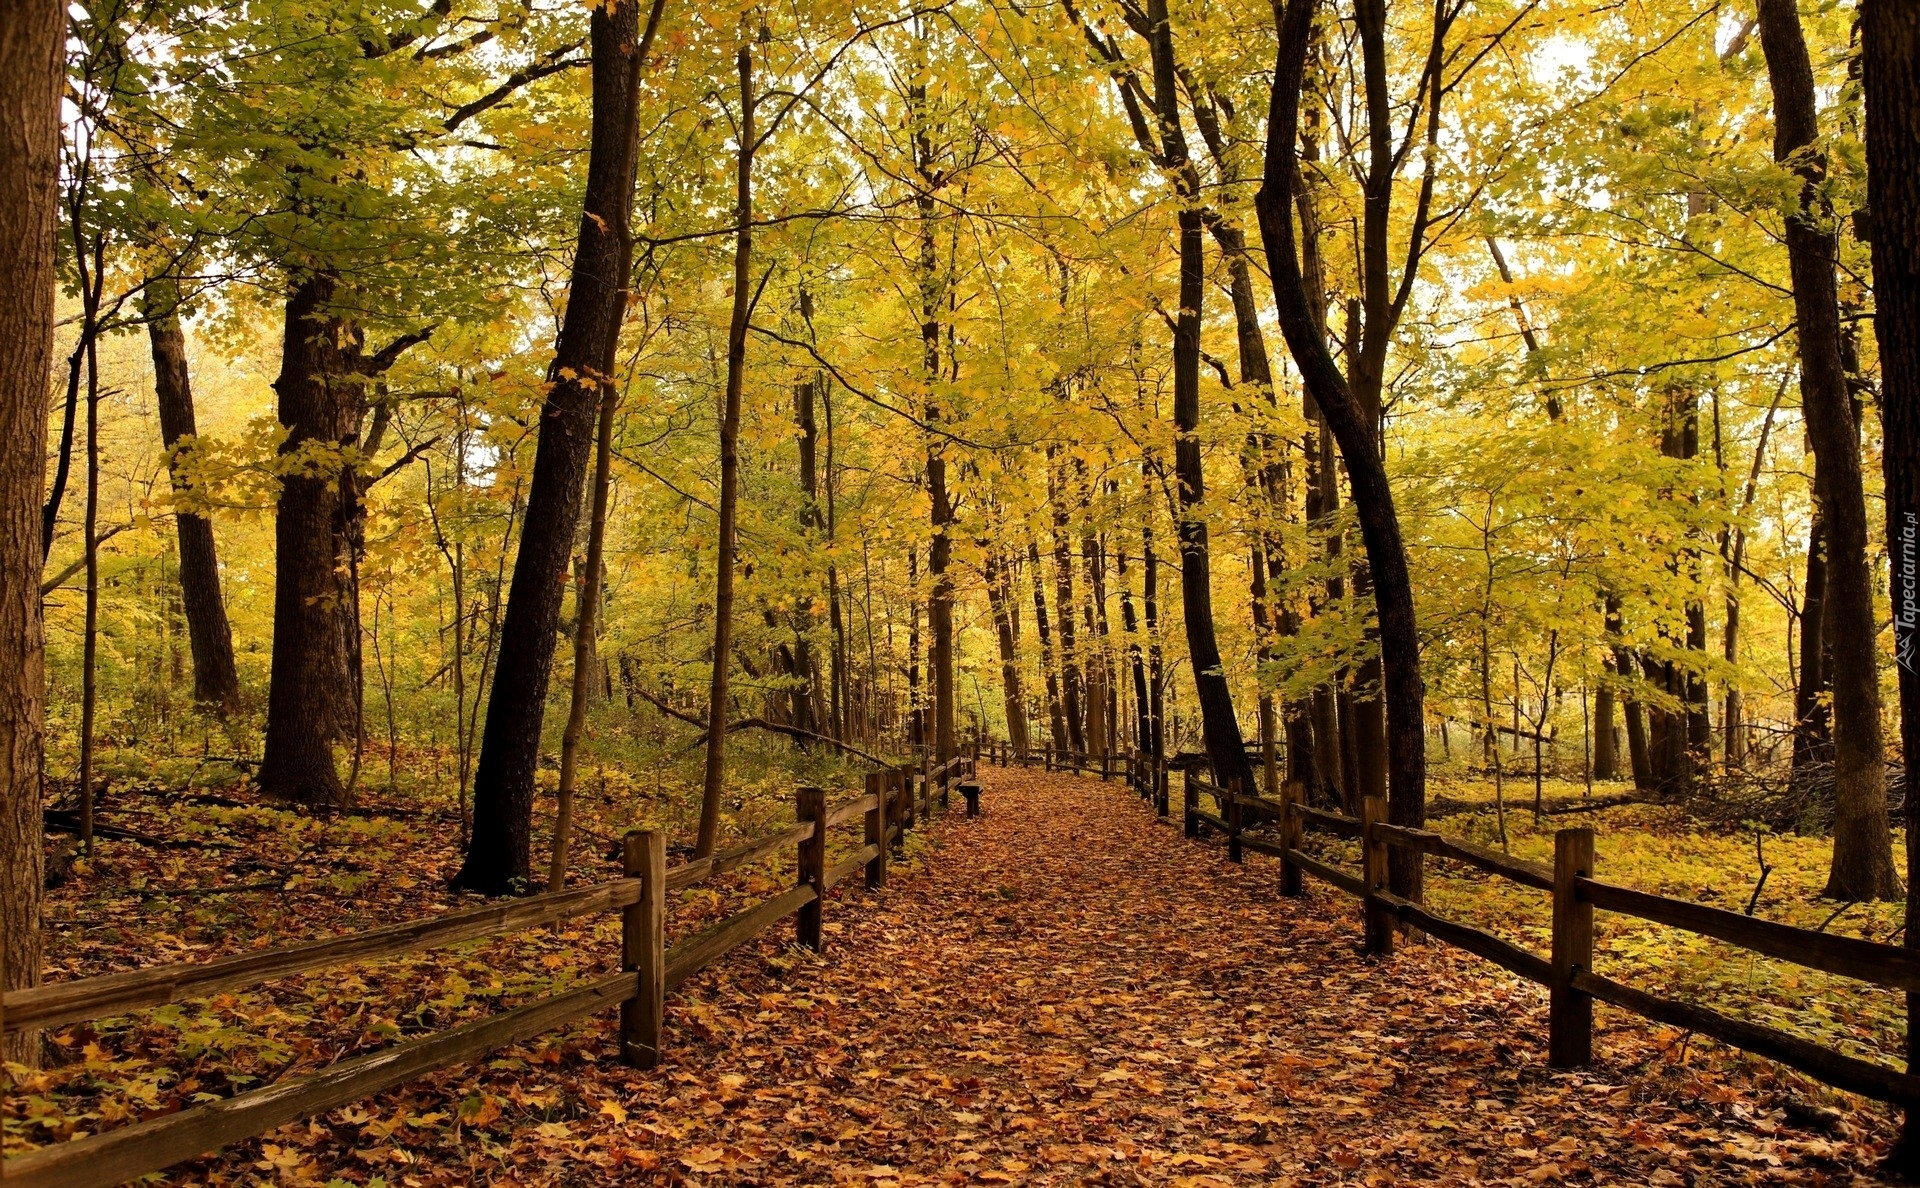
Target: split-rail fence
x,y
1277,825
648,970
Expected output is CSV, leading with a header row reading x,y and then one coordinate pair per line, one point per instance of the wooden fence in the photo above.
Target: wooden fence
x,y
1277,827
648,969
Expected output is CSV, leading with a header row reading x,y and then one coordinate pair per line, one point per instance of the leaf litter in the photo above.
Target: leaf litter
x,y
1062,991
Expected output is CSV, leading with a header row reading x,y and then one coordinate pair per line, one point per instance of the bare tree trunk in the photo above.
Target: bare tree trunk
x,y
715,774
1862,836
216,684
500,854
1890,42
31,75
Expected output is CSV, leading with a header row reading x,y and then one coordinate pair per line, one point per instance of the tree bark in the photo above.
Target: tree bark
x,y
1354,431
586,616
32,45
1606,755
1013,695
1890,42
500,853
1056,715
318,406
1812,716
1226,747
1071,687
1862,837
216,683
716,770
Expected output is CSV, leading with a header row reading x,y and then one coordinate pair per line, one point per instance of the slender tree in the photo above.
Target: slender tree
x,y
500,853
716,764
1353,426
216,683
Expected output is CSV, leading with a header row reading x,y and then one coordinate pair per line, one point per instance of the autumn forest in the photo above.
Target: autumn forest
x,y
1158,534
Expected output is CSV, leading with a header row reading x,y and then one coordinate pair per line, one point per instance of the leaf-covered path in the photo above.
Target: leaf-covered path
x,y
1064,991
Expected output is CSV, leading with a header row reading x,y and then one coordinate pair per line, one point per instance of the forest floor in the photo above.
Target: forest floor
x,y
1061,991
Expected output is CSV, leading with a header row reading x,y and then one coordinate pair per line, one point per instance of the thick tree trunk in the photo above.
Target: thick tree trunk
x,y
318,403
216,684
1862,837
1359,448
1890,41
1606,755
500,854
31,60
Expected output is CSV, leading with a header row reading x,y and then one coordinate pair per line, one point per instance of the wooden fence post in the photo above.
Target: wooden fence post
x,y
1190,804
643,935
1373,858
1233,821
876,830
1569,1012
1161,781
1291,828
810,804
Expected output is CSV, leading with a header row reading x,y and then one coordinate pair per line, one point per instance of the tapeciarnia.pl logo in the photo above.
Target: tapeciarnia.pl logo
x,y
1906,597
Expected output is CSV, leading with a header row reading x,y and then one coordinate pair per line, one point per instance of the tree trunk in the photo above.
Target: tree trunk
x,y
31,76
1812,719
999,599
1071,689
1862,837
1359,448
1150,612
1890,42
216,684
1130,624
585,617
1606,756
715,772
500,853
1055,713
1226,747
305,699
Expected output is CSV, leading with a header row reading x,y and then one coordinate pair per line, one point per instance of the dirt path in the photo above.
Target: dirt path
x,y
1065,992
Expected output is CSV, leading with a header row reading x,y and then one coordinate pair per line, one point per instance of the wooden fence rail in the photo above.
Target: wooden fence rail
x,y
1576,894
649,969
